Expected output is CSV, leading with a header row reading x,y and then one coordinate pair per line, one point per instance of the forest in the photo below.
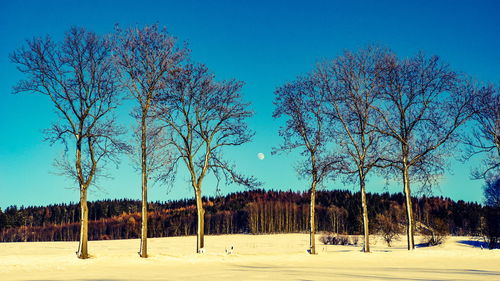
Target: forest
x,y
250,212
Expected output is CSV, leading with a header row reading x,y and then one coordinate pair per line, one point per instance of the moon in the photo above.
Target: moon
x,y
261,156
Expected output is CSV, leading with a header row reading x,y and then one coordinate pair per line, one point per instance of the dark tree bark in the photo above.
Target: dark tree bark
x,y
78,76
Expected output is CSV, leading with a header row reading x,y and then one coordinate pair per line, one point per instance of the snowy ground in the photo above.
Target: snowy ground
x,y
256,257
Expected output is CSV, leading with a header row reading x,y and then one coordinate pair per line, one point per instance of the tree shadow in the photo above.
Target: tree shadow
x,y
362,273
423,245
474,243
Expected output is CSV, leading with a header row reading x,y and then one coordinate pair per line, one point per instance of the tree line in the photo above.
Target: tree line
x,y
363,113
253,212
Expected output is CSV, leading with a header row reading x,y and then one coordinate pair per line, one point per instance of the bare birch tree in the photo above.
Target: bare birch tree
x,y
145,58
422,105
203,117
351,84
303,104
484,136
77,75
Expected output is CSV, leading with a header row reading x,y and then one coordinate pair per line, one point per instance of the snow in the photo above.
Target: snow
x,y
253,257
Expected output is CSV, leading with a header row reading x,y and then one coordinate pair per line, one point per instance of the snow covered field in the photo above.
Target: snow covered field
x,y
255,257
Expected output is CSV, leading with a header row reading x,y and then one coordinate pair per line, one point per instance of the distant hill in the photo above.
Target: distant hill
x,y
255,211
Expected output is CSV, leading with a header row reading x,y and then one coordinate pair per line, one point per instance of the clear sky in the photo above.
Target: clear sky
x,y
264,43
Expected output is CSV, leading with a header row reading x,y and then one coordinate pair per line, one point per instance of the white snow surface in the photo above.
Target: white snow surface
x,y
253,257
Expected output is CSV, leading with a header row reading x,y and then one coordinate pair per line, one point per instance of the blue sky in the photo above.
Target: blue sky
x,y
264,43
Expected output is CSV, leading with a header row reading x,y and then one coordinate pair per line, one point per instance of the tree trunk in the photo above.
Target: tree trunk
x,y
200,233
409,209
366,233
312,241
143,252
82,252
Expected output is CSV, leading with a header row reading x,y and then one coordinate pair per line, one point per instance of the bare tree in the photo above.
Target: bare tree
x,y
422,104
338,216
485,134
77,75
203,117
303,103
387,228
351,84
484,138
145,58
492,193
491,216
